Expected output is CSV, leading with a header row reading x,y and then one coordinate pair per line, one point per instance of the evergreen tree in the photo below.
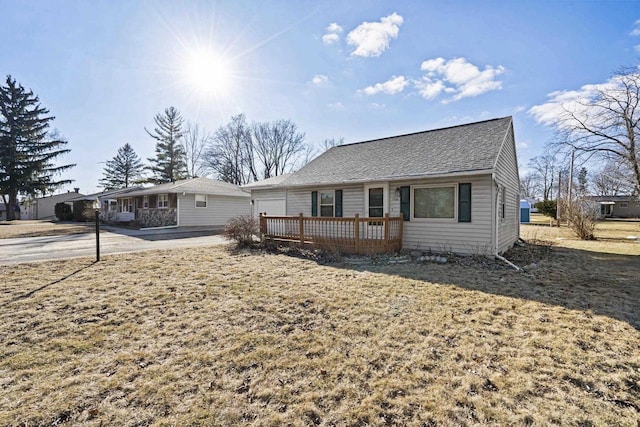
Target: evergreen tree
x,y
169,165
27,149
123,170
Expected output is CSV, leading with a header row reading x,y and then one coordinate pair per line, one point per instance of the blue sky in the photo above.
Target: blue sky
x,y
353,69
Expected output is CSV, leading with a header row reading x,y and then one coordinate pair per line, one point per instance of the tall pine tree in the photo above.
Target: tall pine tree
x,y
27,150
123,170
169,164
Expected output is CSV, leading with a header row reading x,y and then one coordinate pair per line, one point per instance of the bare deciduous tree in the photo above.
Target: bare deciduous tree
x,y
277,146
613,179
226,154
194,142
600,120
545,169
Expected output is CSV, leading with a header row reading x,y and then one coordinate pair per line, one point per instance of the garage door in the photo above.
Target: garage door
x,y
270,207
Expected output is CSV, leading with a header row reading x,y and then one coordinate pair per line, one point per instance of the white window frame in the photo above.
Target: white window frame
x,y
454,186
206,201
125,205
333,205
623,205
385,197
145,202
503,203
163,201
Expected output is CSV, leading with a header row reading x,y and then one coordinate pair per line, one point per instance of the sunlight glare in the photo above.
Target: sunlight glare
x,y
208,73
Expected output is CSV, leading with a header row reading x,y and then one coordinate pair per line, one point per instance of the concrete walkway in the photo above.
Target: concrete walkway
x,y
113,240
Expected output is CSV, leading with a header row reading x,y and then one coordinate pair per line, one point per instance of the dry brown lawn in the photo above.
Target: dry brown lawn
x,y
36,228
209,336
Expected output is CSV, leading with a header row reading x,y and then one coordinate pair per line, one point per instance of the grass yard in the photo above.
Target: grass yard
x,y
36,228
209,336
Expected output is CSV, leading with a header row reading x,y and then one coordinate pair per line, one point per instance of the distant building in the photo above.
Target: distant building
x,y
617,206
44,207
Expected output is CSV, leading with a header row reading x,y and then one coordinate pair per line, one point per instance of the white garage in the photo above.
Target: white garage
x,y
270,206
270,201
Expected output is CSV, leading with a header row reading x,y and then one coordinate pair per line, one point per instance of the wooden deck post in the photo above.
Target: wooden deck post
x,y
400,230
263,227
386,230
301,228
356,232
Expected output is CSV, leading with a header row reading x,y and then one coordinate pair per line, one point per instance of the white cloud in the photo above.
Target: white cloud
x,y
519,109
376,106
390,87
637,48
334,28
338,106
332,36
457,77
636,30
319,79
372,38
575,102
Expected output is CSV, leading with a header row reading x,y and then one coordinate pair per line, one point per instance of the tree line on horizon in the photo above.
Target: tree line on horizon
x,y
237,152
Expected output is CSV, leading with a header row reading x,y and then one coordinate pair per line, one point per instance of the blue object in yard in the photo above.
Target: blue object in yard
x,y
525,212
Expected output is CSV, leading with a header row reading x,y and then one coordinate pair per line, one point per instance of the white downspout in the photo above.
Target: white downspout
x,y
497,217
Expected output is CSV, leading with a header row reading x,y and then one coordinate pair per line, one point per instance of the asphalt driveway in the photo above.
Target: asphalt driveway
x,y
112,241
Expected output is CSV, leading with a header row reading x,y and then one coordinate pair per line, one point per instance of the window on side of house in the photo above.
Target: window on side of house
x,y
623,205
163,200
145,202
503,202
326,203
125,205
201,200
434,202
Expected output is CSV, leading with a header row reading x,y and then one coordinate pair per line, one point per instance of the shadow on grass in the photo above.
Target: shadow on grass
x,y
593,282
43,287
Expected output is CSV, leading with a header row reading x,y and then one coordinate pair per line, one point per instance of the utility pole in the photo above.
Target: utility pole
x,y
558,200
573,152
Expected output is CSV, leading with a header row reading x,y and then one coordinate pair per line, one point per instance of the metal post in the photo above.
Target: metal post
x,y
97,235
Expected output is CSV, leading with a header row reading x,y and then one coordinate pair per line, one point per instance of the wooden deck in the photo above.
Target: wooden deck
x,y
349,235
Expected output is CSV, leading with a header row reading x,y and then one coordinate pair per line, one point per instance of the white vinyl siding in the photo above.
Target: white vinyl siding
x,y
219,210
299,200
507,177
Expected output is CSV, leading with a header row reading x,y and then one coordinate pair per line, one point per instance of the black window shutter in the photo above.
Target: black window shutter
x,y
405,202
338,196
464,202
314,203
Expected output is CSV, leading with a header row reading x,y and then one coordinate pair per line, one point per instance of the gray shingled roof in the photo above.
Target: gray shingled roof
x,y
465,148
269,182
194,186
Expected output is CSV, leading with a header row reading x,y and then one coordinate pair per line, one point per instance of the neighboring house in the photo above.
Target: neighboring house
x,y
617,206
189,202
108,201
44,207
457,187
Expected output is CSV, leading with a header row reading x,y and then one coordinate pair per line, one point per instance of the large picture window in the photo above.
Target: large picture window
x,y
326,203
163,200
434,202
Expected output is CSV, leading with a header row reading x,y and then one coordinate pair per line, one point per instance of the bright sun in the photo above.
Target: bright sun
x,y
208,73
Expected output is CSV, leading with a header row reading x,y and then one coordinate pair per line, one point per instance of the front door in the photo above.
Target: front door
x,y
375,205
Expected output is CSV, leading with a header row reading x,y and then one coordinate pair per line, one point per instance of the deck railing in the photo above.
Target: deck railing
x,y
350,235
